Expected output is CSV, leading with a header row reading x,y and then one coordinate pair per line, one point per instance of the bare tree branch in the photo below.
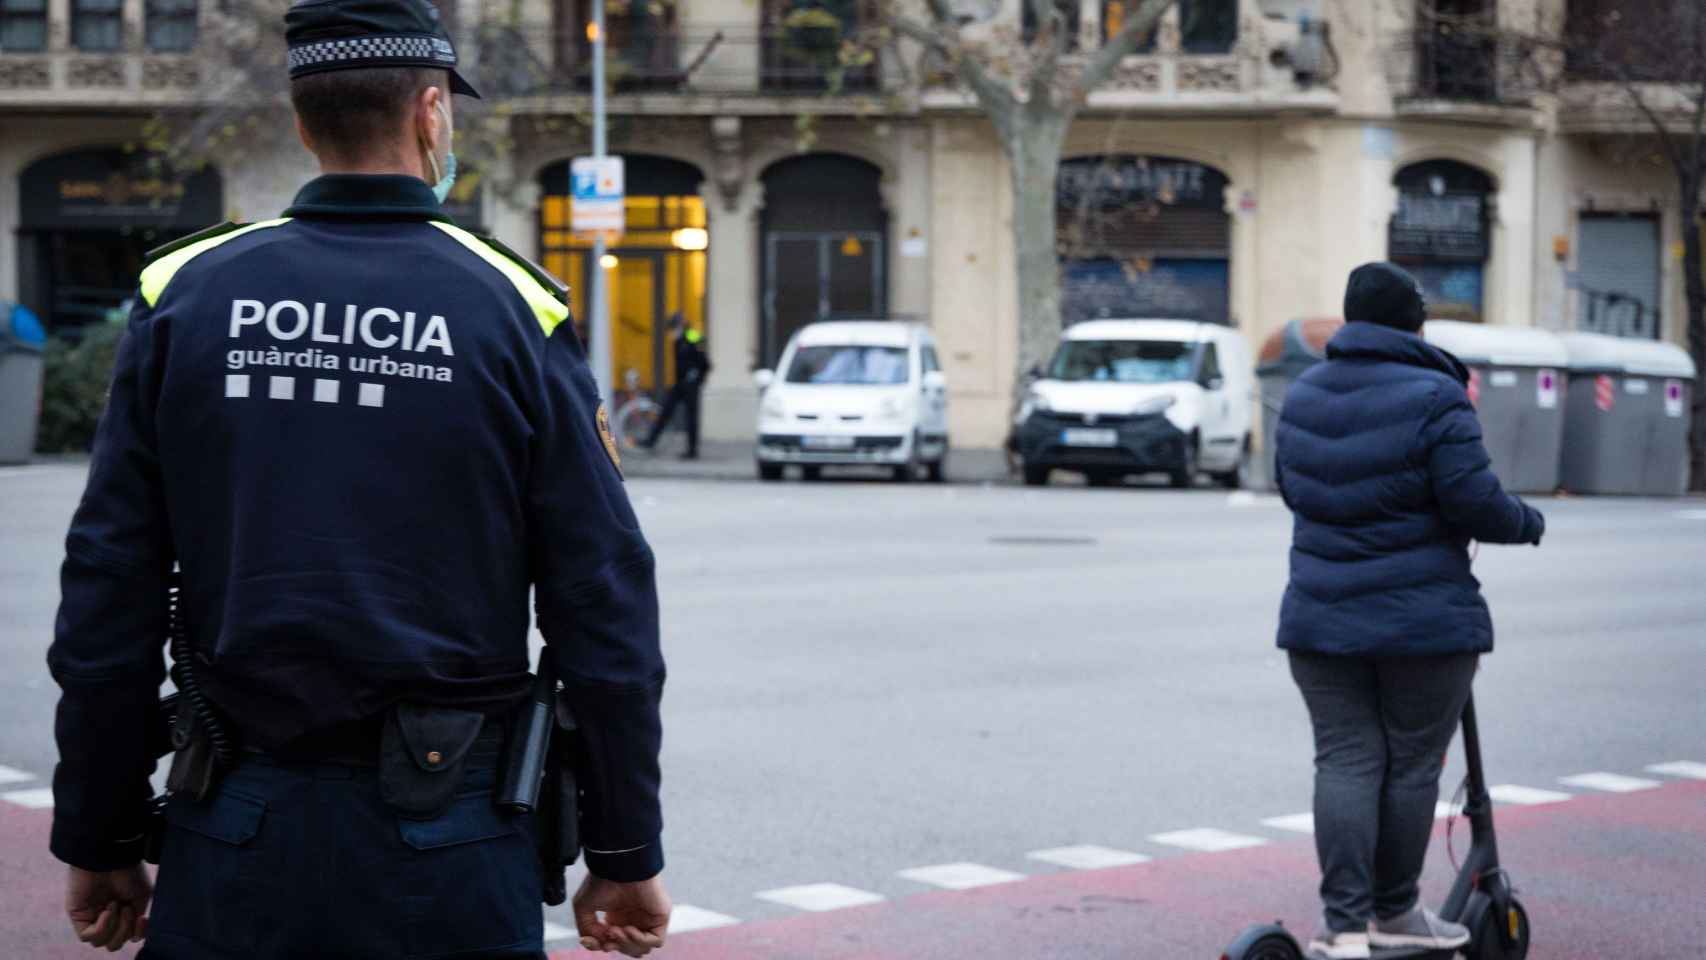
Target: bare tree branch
x,y
944,37
1103,62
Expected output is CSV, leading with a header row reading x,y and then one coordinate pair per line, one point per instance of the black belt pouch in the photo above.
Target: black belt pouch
x,y
423,756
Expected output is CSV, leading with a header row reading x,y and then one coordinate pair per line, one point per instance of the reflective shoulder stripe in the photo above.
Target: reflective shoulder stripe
x,y
156,275
547,309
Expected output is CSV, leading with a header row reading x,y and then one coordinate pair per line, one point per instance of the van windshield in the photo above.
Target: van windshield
x,y
1124,361
849,366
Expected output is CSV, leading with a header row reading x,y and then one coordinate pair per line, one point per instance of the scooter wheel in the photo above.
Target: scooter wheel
x,y
1277,945
1502,934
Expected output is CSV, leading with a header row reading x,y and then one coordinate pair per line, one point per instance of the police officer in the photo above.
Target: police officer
x,y
691,368
362,435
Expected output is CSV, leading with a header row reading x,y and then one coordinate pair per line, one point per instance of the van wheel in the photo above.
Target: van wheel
x,y
937,470
1185,474
810,473
1035,476
1238,477
769,472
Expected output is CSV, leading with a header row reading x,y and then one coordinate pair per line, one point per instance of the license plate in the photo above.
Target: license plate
x,y
1090,438
827,443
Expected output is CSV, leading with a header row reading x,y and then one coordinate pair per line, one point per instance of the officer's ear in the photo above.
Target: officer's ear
x,y
430,120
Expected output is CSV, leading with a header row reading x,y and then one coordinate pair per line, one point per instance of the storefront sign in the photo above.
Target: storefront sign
x,y
1121,181
112,189
1446,226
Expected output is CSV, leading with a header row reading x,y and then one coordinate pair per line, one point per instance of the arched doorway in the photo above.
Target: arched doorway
x,y
656,269
824,248
88,217
1442,234
1143,236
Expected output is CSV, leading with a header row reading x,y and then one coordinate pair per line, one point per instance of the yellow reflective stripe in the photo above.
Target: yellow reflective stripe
x,y
156,275
547,309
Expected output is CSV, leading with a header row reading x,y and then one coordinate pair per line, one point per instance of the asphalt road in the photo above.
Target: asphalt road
x,y
867,678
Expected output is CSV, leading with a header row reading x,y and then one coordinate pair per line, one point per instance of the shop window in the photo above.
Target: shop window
x,y
97,24
642,43
171,25
23,25
1442,234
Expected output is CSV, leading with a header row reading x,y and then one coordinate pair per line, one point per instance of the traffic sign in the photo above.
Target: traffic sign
x,y
596,189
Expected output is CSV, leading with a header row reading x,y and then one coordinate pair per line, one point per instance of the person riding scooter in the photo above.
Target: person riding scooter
x,y
1379,457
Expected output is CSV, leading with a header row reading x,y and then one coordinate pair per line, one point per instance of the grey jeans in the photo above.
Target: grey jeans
x,y
1382,726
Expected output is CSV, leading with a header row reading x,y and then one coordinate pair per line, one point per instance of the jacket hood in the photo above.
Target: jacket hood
x,y
1369,341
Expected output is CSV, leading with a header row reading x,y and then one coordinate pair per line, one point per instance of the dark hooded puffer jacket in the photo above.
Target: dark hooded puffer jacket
x,y
1379,457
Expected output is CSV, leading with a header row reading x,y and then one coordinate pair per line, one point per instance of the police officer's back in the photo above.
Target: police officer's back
x,y
363,434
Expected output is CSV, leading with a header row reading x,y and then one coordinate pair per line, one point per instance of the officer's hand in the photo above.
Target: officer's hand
x,y
635,915
107,909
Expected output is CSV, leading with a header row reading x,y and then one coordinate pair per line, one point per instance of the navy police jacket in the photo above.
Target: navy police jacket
x,y
364,435
1379,457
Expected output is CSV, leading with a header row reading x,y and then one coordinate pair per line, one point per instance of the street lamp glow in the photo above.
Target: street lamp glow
x,y
592,31
608,261
690,238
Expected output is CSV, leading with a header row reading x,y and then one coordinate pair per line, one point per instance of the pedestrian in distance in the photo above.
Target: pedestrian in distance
x,y
342,449
1379,456
692,366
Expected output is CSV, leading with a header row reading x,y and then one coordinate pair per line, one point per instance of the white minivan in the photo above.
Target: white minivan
x,y
1124,397
854,393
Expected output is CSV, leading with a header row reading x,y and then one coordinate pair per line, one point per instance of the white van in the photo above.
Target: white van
x,y
1123,397
854,393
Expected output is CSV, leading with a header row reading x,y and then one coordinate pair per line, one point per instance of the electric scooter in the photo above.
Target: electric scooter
x,y
1481,899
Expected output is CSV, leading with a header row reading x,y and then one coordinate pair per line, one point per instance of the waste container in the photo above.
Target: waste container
x,y
1285,354
1626,420
21,343
1516,381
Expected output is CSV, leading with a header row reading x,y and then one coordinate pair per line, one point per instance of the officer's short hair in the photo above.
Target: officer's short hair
x,y
349,113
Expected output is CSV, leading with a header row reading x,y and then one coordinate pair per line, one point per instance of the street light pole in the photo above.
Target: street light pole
x,y
599,322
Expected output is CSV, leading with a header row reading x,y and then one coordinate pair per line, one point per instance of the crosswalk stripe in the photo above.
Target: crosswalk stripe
x,y
818,897
1609,782
41,798
1442,809
14,775
1296,822
1525,796
1207,839
686,919
1087,857
556,931
960,876
1687,769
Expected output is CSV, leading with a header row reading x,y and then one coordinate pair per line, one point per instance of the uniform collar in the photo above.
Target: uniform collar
x,y
385,196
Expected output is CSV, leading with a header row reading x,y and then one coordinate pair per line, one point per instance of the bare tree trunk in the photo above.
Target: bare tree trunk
x,y
1694,288
1033,153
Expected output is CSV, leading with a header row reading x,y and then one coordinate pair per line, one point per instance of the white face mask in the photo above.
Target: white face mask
x,y
441,188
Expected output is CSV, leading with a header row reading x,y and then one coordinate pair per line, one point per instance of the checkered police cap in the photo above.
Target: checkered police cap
x,y
325,35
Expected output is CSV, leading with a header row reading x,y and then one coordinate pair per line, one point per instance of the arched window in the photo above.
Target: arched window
x,y
1442,234
824,249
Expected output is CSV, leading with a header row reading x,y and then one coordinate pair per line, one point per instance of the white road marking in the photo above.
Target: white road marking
x,y
1087,857
1525,796
1609,782
556,931
686,919
1687,769
1245,498
1296,822
818,897
960,876
14,775
1692,514
40,798
1443,809
1207,839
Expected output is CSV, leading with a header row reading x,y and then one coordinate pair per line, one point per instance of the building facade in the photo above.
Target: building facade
x,y
1234,170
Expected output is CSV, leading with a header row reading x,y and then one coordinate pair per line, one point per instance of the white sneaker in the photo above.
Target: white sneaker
x,y
1418,927
1328,945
